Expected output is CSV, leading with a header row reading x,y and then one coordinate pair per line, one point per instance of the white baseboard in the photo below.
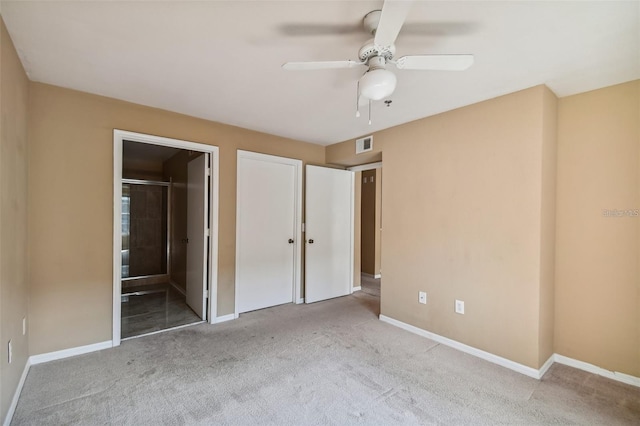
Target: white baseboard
x,y
225,318
66,353
376,276
585,366
512,365
523,369
546,366
357,288
46,357
16,395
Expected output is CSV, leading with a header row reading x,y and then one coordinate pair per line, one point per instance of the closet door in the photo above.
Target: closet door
x,y
266,235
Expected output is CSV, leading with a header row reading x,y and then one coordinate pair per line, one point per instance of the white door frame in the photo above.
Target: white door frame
x,y
119,136
297,273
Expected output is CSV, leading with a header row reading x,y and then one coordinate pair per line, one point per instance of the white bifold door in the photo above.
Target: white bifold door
x,y
328,233
267,231
198,234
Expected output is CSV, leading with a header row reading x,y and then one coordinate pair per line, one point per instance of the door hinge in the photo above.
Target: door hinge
x,y
208,171
206,294
206,232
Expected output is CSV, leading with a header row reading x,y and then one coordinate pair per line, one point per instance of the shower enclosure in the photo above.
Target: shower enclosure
x,y
145,231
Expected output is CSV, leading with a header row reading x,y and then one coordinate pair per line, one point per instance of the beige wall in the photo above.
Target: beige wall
x,y
549,130
463,199
71,202
597,313
512,191
14,92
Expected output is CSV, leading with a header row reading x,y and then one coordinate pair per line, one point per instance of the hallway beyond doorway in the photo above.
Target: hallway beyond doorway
x,y
370,285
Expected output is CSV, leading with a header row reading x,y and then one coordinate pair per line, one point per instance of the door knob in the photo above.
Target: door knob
x,y
290,240
310,241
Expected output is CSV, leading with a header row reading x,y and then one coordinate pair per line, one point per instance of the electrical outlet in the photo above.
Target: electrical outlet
x,y
24,326
459,307
422,297
10,352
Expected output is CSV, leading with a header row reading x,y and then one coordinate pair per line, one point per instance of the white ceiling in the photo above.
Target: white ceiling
x,y
220,60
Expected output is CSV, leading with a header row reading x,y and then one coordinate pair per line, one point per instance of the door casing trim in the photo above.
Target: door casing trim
x,y
119,136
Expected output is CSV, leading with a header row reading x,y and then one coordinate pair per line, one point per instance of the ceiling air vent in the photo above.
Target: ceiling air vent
x,y
364,144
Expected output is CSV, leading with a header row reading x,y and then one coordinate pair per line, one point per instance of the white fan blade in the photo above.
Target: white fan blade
x,y
435,62
313,29
323,65
394,12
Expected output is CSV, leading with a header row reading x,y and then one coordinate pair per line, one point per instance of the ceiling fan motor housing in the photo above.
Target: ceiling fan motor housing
x,y
369,49
377,82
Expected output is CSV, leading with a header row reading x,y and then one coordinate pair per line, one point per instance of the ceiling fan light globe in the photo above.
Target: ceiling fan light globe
x,y
377,84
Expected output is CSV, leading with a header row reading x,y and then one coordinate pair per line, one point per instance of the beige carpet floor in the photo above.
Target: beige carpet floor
x,y
329,363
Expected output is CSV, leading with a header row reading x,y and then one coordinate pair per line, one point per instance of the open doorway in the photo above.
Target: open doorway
x,y
368,232
165,234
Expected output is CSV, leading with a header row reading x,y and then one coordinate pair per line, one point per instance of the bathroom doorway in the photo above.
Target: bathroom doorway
x,y
167,234
153,293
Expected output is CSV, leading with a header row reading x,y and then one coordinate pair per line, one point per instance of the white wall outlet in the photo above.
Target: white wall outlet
x,y
10,352
459,307
422,297
24,326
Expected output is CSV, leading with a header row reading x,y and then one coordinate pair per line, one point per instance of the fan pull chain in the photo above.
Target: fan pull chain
x,y
369,112
357,99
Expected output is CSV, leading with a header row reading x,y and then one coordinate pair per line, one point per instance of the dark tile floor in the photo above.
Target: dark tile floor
x,y
152,308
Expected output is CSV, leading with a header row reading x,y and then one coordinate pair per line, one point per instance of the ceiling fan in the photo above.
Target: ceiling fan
x,y
378,82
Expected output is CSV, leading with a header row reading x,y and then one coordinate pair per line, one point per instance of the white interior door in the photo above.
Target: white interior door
x,y
197,247
266,235
329,233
